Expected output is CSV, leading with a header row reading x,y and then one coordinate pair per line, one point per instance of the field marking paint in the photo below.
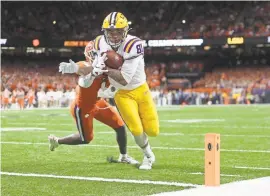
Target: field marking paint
x,y
222,126
193,120
38,130
176,124
223,135
47,123
158,107
258,186
252,168
154,147
102,179
22,129
226,175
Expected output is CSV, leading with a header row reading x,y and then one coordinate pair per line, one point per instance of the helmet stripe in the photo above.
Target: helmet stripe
x,y
114,18
110,21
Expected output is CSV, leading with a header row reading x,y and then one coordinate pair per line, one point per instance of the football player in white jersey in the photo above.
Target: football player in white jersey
x,y
87,106
133,97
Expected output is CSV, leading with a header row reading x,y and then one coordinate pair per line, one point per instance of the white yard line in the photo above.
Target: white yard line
x,y
171,125
252,168
194,120
33,129
218,126
23,129
259,186
37,131
102,179
226,175
158,107
154,147
45,123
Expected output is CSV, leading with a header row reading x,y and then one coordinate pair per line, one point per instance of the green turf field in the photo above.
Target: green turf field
x,y
179,150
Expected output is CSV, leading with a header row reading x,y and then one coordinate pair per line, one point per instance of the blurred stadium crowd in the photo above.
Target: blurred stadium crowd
x,y
42,86
159,20
38,84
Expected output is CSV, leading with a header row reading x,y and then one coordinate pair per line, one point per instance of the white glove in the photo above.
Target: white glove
x,y
99,65
70,67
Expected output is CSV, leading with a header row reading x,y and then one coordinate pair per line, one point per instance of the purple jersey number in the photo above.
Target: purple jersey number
x,y
139,49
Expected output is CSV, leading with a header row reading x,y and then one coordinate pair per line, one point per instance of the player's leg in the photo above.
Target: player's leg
x,y
150,122
84,122
109,116
148,112
126,102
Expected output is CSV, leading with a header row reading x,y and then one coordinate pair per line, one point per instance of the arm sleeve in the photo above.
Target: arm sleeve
x,y
129,68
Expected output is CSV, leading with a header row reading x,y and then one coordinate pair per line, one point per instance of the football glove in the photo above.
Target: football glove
x,y
70,67
99,65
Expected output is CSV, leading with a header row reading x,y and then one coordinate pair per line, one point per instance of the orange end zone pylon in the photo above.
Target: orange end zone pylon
x,y
212,159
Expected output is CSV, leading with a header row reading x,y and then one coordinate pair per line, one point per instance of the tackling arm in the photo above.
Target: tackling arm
x,y
84,69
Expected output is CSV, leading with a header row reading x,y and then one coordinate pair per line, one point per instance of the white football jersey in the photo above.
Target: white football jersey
x,y
132,50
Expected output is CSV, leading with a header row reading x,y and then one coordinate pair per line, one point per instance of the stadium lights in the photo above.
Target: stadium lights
x,y
54,22
183,21
129,22
35,42
175,42
3,41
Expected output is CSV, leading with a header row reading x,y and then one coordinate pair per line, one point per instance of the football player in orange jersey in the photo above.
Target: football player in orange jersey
x,y
87,106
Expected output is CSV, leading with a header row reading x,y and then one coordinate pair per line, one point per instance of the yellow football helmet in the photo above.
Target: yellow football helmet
x,y
115,27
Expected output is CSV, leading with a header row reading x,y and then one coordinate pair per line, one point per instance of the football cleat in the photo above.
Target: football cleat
x,y
148,161
53,140
146,164
127,159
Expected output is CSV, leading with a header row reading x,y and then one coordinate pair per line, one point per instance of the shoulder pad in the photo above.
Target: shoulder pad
x,y
97,42
130,43
133,48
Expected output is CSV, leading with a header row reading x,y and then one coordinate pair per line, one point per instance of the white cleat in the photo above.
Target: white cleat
x,y
147,163
127,159
53,142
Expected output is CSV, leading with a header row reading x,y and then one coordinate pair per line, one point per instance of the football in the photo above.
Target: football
x,y
114,61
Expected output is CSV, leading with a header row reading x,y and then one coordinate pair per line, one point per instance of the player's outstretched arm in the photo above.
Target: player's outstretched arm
x,y
83,69
80,68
